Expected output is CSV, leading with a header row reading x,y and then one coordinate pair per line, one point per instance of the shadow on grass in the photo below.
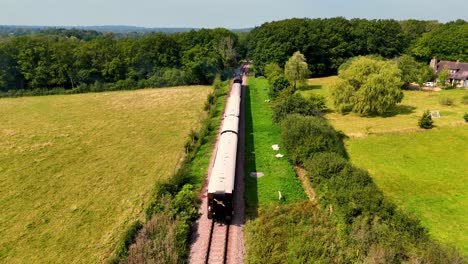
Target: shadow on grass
x,y
310,87
400,110
251,192
397,110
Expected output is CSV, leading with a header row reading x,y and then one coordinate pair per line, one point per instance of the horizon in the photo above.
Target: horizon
x,y
213,14
190,27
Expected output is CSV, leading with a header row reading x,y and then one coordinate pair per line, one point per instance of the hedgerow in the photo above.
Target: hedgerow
x,y
363,225
164,237
303,136
297,104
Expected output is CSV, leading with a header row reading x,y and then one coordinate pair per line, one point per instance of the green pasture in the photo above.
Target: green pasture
x,y
261,134
424,173
402,119
77,170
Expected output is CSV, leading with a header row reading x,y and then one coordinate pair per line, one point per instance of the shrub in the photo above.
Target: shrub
x,y
127,84
370,225
446,101
296,233
272,71
278,84
304,136
465,116
297,104
426,120
323,165
184,204
318,102
210,101
156,242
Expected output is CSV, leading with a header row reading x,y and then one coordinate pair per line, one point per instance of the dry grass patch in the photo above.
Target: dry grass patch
x,y
76,170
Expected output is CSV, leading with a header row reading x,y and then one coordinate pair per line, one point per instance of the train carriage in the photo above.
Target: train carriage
x,y
223,174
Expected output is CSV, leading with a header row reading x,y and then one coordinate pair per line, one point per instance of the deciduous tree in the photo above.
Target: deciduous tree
x,y
296,69
367,85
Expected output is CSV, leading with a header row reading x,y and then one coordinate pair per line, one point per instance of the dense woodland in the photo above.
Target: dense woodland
x,y
90,61
327,43
85,60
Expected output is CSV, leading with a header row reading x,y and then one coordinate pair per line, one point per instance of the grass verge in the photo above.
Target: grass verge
x,y
261,134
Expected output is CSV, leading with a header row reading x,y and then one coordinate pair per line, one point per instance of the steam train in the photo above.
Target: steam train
x,y
223,174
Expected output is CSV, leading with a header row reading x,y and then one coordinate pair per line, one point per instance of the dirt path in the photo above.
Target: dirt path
x,y
202,227
301,174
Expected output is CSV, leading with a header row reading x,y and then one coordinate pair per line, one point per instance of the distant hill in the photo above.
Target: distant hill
x,y
118,29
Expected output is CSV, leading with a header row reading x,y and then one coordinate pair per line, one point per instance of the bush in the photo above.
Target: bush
x,y
465,116
324,165
426,120
370,225
446,101
272,71
304,136
184,204
278,84
157,242
296,233
127,84
297,104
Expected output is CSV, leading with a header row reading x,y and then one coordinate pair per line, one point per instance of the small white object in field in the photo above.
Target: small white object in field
x,y
275,147
279,195
279,155
435,114
267,100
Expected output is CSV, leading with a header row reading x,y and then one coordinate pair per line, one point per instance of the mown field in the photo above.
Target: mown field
x,y
76,170
403,119
424,172
261,134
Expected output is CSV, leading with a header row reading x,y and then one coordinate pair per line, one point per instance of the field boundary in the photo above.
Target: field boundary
x,y
182,179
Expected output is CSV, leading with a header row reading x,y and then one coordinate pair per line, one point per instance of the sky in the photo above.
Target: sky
x,y
216,13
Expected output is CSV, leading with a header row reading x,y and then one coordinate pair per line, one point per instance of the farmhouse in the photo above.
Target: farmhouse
x,y
458,71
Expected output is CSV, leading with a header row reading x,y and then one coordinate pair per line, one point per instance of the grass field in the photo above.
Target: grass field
x,y
403,119
425,173
261,134
76,170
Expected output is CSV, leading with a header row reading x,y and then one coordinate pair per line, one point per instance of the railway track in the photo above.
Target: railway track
x,y
218,243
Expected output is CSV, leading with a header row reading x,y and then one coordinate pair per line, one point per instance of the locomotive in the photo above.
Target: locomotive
x,y
223,174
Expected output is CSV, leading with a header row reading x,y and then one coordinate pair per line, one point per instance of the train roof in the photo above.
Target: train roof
x,y
222,176
230,124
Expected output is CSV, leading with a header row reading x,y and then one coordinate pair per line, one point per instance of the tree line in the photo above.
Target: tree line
x,y
85,61
328,43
